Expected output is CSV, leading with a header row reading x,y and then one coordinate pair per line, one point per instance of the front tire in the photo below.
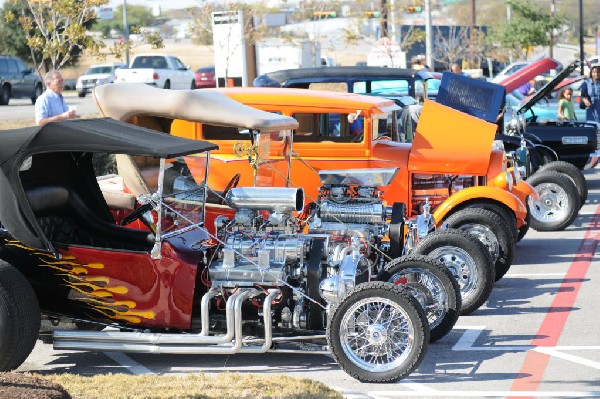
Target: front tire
x,y
378,333
573,173
19,318
467,259
558,204
491,229
432,285
81,94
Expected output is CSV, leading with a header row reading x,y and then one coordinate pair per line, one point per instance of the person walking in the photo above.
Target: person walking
x,y
566,109
590,95
51,106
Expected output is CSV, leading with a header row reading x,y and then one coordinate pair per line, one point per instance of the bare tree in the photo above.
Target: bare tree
x,y
449,48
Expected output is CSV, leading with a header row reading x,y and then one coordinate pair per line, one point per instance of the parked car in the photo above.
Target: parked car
x,y
158,70
426,169
97,75
509,70
205,77
18,81
175,288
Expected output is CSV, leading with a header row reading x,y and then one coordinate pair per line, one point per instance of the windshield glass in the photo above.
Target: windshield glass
x,y
385,125
99,69
184,193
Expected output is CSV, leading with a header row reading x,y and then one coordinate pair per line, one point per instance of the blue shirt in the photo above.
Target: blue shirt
x,y
49,104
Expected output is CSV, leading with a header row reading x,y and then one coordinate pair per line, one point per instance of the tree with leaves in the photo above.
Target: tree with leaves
x,y
529,26
56,30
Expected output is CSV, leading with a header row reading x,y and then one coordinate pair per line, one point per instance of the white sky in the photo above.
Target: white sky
x,y
164,4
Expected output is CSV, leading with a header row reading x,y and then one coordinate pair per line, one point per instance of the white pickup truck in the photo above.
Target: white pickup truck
x,y
164,71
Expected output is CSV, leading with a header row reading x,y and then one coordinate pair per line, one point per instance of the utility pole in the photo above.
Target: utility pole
x,y
428,36
383,27
508,18
581,52
126,30
472,34
393,20
552,14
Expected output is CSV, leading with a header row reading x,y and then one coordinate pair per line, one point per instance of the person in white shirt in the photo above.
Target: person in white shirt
x,y
51,106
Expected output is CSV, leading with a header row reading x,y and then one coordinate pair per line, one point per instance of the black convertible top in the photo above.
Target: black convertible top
x,y
72,137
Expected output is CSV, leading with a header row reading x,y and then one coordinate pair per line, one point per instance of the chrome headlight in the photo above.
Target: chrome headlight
x,y
509,181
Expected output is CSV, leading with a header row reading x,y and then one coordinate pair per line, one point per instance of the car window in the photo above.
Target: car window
x,y
382,87
149,62
3,66
179,64
317,127
21,67
12,66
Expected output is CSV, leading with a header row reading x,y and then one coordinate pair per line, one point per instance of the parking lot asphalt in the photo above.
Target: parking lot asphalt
x,y
537,335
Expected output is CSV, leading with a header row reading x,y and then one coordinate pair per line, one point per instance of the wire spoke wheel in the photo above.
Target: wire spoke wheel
x,y
378,332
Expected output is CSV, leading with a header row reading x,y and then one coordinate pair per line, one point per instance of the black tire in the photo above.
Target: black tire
x,y
36,93
467,259
432,285
491,229
193,86
81,94
5,95
402,304
559,201
508,216
19,318
573,173
167,85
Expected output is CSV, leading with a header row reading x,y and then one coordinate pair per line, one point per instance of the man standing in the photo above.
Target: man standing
x,y
455,68
51,106
590,95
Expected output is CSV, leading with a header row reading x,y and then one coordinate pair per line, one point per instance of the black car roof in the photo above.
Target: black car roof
x,y
344,73
71,137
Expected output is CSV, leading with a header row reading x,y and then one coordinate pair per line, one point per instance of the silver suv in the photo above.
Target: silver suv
x,y
18,81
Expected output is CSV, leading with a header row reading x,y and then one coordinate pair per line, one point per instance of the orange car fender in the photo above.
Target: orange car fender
x,y
477,194
523,189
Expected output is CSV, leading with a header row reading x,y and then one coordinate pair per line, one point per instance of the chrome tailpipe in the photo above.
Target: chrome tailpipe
x,y
195,344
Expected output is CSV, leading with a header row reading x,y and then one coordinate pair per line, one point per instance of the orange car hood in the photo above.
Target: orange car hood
x,y
451,142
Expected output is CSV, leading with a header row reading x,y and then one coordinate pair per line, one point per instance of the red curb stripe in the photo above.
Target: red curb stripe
x,y
551,328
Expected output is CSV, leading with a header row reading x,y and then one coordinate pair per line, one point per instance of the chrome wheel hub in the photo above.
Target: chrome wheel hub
x,y
553,205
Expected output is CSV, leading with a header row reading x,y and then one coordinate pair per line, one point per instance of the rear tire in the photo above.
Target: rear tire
x,y
5,95
432,285
559,202
81,94
467,259
167,85
378,333
19,318
193,86
491,229
573,173
37,92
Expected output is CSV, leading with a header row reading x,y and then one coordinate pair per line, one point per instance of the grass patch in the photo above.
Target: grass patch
x,y
192,386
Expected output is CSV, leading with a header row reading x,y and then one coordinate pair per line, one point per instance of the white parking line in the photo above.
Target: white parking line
x,y
485,394
125,361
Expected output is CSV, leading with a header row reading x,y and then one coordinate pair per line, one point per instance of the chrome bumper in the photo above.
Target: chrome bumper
x,y
592,160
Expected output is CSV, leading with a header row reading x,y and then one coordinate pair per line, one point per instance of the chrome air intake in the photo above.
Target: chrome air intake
x,y
266,198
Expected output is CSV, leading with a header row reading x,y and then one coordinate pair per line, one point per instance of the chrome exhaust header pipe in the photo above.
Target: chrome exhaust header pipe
x,y
276,199
136,342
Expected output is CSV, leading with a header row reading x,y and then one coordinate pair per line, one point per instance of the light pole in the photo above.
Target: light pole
x,y
126,31
581,54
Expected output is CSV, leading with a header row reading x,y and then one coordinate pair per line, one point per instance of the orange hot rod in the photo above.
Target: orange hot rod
x,y
466,183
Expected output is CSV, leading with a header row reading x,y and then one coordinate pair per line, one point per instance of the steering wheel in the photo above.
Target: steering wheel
x,y
136,214
232,183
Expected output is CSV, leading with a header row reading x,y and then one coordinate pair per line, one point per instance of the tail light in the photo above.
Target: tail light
x,y
155,76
